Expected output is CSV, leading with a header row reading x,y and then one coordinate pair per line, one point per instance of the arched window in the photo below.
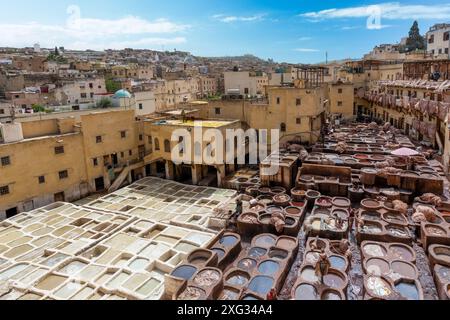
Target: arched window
x,y
181,144
167,146
157,144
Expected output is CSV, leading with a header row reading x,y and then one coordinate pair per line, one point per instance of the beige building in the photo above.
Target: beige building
x,y
245,83
341,101
80,91
438,40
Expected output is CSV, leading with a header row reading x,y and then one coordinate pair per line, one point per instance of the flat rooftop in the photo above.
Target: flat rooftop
x,y
191,123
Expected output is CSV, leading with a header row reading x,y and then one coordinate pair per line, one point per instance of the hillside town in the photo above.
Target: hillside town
x,y
93,205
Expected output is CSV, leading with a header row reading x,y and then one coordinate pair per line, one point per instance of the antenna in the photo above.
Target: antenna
x,y
326,57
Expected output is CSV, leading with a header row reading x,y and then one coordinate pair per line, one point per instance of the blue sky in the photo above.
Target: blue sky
x,y
285,30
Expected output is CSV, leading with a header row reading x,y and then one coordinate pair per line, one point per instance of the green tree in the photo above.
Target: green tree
x,y
415,41
104,103
38,108
112,86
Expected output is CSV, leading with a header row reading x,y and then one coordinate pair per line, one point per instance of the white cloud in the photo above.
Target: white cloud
x,y
82,33
387,10
229,18
306,50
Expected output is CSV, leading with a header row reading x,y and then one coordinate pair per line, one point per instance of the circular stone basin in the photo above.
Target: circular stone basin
x,y
278,254
374,250
265,218
264,190
401,252
378,286
258,207
278,190
397,231
290,221
282,198
371,228
408,290
249,217
184,272
220,252
228,240
207,278
306,178
395,218
442,253
265,241
343,214
341,202
298,192
371,204
324,202
293,211
323,211
338,263
199,257
334,279
261,285
238,278
435,231
247,264
377,266
257,252
312,257
306,292
192,293
311,194
273,209
331,295
242,180
286,243
406,270
309,274
269,267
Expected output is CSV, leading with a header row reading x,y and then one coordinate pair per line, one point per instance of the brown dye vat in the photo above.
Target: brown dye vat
x,y
281,200
376,266
293,211
191,294
267,200
298,195
439,254
207,277
273,209
405,269
341,202
370,204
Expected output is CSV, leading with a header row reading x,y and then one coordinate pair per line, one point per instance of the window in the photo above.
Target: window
x,y
41,179
122,154
63,175
123,134
447,36
157,148
218,110
299,120
2,111
278,100
141,137
95,162
4,190
167,146
83,95
298,102
91,85
283,127
440,51
246,91
130,153
340,91
339,103
431,39
141,106
150,140
98,139
446,50
59,150
6,161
